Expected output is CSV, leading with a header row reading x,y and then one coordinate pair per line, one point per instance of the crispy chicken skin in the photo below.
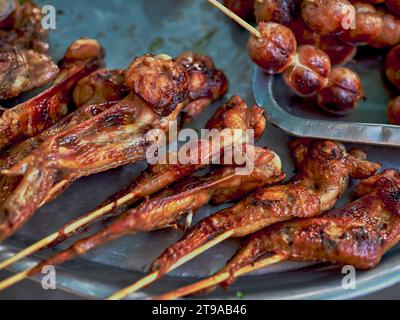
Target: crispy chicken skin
x,y
324,169
21,27
206,83
24,64
165,208
23,70
100,86
242,8
192,193
160,81
357,234
37,114
119,135
233,115
93,95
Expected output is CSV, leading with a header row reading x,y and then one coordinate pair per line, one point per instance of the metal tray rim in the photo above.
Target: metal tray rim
x,y
354,132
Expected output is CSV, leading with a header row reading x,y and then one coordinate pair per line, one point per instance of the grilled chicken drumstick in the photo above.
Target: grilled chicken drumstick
x,y
324,169
358,234
115,137
37,114
233,115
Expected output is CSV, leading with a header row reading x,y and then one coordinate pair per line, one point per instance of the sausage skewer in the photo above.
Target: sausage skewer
x,y
234,115
358,234
324,170
306,69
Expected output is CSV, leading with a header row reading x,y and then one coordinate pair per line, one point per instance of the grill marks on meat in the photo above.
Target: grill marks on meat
x,y
324,168
159,81
23,70
37,114
358,234
233,115
206,83
115,137
24,64
167,207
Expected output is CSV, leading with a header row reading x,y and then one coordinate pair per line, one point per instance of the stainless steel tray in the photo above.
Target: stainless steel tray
x,y
302,117
130,28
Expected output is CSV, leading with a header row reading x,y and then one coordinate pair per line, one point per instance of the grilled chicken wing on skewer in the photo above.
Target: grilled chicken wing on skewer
x,y
99,87
24,63
220,185
104,87
118,136
37,114
233,115
21,26
324,169
24,70
206,84
358,234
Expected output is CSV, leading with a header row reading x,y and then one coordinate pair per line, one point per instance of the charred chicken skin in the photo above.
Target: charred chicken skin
x,y
24,64
324,169
358,234
206,84
233,115
220,185
104,87
37,114
113,138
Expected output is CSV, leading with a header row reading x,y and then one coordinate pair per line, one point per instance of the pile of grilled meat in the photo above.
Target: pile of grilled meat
x,y
46,145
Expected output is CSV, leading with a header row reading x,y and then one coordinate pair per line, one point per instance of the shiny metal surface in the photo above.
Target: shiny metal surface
x,y
302,117
129,28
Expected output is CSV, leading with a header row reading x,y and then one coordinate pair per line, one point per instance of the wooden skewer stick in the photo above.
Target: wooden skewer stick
x,y
66,230
150,278
218,278
236,18
14,279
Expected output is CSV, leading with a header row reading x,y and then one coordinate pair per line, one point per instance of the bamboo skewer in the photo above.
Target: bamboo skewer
x,y
236,18
77,224
150,278
218,278
14,279
66,230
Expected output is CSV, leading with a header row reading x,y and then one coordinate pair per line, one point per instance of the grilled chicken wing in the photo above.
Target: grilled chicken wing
x,y
37,114
104,87
324,168
358,234
100,86
222,184
206,84
118,136
24,64
233,115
